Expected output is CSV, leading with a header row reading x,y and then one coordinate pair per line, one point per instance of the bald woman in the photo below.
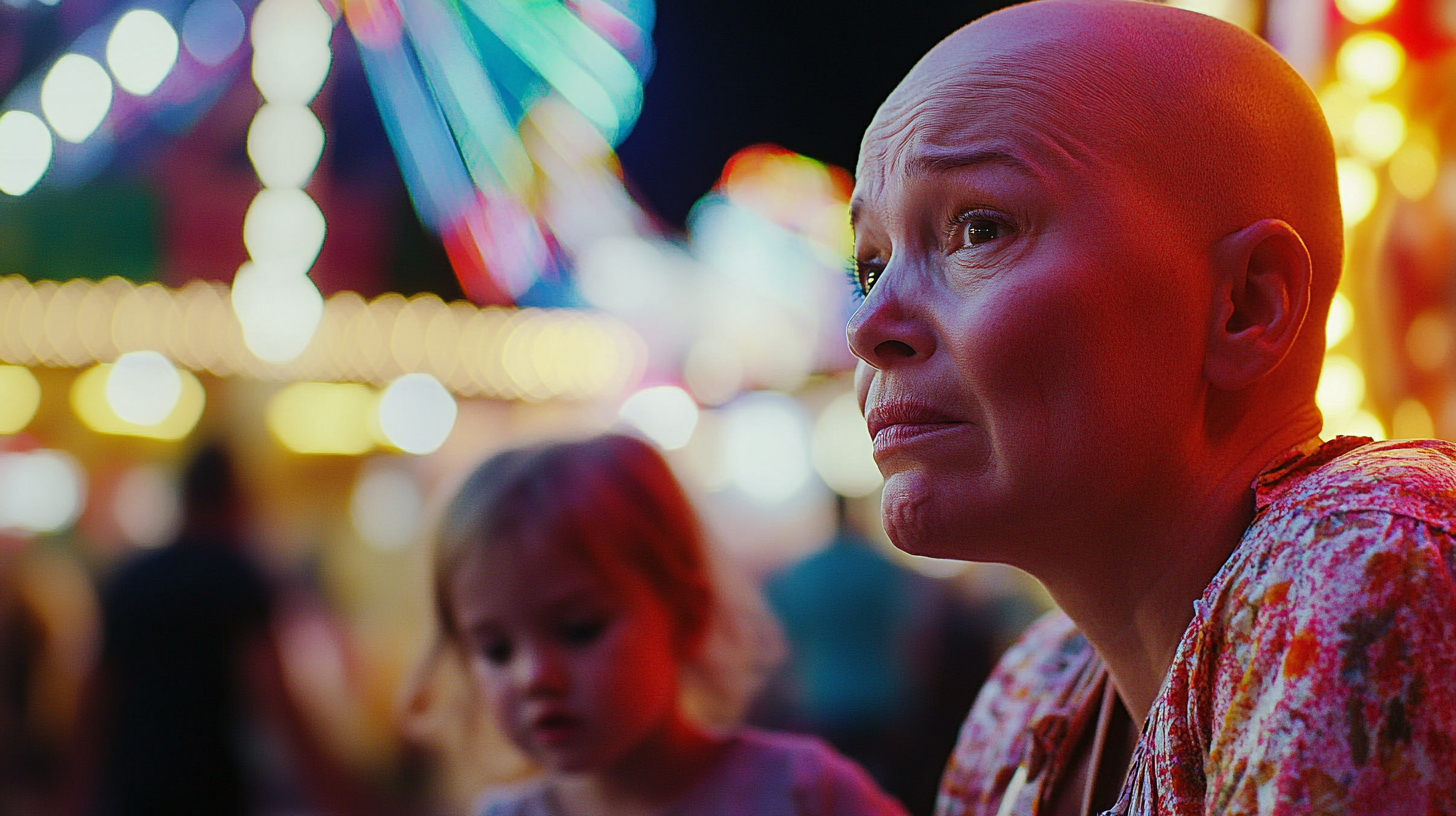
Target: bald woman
x,y
1097,242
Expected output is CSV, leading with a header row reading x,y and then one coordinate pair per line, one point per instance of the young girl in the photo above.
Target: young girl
x,y
574,577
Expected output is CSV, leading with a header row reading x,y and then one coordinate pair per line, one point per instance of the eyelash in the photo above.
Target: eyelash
x,y
956,225
862,276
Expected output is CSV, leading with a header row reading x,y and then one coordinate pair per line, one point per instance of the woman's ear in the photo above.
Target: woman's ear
x,y
1261,297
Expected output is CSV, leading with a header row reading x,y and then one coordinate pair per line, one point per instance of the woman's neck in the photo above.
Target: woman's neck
x,y
1133,595
652,774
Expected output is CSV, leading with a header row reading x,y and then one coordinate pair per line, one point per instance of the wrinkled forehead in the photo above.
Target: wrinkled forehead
x,y
1040,105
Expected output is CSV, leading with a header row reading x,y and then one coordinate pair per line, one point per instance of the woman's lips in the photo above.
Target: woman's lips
x,y
898,425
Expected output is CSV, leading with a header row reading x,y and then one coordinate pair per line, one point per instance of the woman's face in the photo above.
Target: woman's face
x,y
1031,338
579,669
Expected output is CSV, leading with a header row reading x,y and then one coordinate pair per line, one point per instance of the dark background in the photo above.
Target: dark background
x,y
804,74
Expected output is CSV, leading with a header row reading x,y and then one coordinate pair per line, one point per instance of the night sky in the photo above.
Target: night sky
x,y
804,74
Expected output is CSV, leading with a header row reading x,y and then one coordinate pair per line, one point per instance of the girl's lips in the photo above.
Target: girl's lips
x,y
554,729
897,424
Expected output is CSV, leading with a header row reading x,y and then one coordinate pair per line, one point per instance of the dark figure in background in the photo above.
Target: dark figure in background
x,y
187,658
884,663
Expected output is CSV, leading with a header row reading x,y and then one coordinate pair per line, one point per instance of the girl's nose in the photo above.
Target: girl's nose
x,y
543,672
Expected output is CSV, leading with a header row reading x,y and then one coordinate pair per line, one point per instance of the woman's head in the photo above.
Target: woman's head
x,y
575,577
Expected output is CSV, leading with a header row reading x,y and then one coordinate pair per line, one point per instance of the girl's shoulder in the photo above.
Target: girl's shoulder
x,y
769,773
529,798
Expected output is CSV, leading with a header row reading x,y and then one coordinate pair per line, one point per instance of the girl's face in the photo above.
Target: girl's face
x,y
578,669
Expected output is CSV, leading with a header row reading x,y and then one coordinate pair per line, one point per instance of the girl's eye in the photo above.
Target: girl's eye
x,y
864,276
581,632
977,227
497,652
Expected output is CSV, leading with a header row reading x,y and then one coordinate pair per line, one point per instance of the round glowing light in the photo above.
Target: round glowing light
x,y
1413,170
1358,190
843,452
1411,420
666,414
1377,132
1340,104
766,446
1363,423
284,229
279,312
416,413
75,96
147,508
1428,340
212,30
89,401
143,387
1361,12
41,491
25,151
19,398
285,142
291,49
622,274
386,507
1340,321
323,418
141,51
1370,60
1341,390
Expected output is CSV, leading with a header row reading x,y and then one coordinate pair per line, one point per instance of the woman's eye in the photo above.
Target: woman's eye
x,y
865,275
975,228
581,632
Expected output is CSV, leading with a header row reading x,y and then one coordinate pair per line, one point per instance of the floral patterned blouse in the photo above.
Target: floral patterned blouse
x,y
1318,675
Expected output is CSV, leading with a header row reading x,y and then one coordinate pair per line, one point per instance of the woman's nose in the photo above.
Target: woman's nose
x,y
889,327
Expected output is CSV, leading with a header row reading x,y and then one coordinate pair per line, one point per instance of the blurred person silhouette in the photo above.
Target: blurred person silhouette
x,y
882,658
188,660
48,632
574,578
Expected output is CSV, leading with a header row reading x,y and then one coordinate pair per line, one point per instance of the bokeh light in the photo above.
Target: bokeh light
x,y
386,506
1413,170
284,229
843,453
141,51
766,446
1428,340
1340,392
1377,132
291,53
19,398
323,418
212,30
1370,60
146,505
1340,321
665,414
279,312
41,491
284,143
1412,420
143,387
75,97
89,402
1361,12
25,151
1358,190
416,413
